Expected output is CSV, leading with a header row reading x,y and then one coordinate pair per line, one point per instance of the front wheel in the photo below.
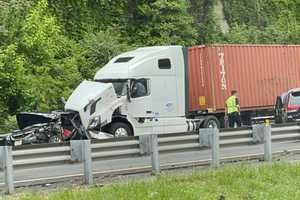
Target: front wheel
x,y
120,129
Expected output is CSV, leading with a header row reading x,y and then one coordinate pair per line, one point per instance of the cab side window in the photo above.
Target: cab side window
x,y
164,63
139,88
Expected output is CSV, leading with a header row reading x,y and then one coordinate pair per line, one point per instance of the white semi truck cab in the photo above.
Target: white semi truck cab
x,y
143,91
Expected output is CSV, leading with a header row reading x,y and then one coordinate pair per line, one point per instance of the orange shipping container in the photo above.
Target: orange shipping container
x,y
258,72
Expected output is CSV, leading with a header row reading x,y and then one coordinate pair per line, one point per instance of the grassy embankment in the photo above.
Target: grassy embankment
x,y
277,181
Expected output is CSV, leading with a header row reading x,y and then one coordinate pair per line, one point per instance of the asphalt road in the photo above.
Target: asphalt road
x,y
105,165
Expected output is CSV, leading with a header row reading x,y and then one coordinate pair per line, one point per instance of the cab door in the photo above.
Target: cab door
x,y
140,105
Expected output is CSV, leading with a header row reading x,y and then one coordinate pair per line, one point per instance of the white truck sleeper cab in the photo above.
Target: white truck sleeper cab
x,y
138,92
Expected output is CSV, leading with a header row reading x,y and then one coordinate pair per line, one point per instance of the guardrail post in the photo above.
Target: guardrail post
x,y
154,153
215,149
7,166
267,143
149,146
81,151
87,158
209,137
263,134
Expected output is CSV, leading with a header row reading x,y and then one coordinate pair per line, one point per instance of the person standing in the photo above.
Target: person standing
x,y
232,110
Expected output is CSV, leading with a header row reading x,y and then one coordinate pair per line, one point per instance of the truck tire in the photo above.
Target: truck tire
x,y
120,129
211,122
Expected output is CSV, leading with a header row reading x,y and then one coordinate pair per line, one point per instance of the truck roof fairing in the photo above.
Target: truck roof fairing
x,y
126,65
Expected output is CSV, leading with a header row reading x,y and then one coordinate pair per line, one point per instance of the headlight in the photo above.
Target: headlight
x,y
94,122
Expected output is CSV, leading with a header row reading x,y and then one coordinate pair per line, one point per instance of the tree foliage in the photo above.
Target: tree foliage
x,y
161,22
96,49
263,21
205,21
37,63
48,46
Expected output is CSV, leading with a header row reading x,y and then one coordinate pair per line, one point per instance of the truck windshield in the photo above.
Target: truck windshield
x,y
295,99
119,86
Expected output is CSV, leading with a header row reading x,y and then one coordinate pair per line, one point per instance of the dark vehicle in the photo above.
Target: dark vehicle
x,y
39,128
55,127
287,108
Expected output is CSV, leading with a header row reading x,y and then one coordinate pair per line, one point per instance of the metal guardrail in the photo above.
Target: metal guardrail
x,y
38,157
66,154
148,168
115,148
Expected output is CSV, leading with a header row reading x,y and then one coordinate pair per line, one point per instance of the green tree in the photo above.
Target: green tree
x,y
160,22
12,14
96,49
81,17
268,21
11,81
205,22
37,62
49,56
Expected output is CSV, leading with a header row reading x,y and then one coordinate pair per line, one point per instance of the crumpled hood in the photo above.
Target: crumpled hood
x,y
85,93
25,119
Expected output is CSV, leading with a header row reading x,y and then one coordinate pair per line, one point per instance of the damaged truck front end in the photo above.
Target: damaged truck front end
x,y
87,111
90,108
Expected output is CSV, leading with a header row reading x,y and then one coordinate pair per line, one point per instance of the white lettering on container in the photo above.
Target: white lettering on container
x,y
222,72
202,69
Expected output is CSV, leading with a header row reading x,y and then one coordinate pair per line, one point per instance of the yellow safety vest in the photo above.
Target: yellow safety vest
x,y
231,105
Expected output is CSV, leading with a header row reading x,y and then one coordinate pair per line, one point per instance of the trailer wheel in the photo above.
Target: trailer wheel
x,y
120,129
211,122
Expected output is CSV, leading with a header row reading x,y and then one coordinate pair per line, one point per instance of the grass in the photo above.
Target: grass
x,y
276,181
